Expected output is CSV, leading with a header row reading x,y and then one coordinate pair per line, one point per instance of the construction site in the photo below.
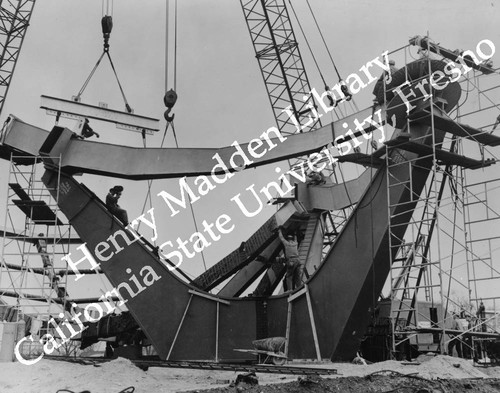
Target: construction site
x,y
337,228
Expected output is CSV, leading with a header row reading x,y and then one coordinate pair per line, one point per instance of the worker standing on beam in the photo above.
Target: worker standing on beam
x,y
292,261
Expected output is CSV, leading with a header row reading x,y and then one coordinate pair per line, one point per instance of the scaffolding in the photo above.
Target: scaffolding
x,y
33,278
32,271
444,261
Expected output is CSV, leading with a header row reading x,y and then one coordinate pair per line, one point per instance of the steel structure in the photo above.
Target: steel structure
x,y
15,16
295,110
280,61
446,256
326,317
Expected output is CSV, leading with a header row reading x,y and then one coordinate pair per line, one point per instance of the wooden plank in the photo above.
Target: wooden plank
x,y
297,294
313,324
217,333
78,110
19,191
179,327
288,324
261,352
38,211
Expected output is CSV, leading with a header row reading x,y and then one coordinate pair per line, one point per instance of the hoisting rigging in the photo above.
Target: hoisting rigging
x,y
107,27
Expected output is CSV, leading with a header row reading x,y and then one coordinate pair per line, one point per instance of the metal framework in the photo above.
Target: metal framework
x,y
31,271
15,16
444,261
287,84
36,235
280,62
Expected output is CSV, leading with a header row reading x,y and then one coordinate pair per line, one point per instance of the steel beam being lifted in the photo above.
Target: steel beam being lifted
x,y
77,110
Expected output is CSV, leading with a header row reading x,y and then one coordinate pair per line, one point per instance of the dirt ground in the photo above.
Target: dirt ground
x,y
427,374
434,374
378,382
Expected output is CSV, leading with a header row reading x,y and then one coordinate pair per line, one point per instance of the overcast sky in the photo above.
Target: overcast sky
x,y
221,93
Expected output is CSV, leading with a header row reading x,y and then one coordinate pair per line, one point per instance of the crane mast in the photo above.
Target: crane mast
x,y
15,17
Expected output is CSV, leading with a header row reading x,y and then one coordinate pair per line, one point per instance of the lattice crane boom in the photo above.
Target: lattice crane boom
x,y
280,61
15,16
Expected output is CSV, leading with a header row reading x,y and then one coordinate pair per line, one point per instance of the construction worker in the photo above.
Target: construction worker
x,y
87,131
294,267
385,78
467,341
456,340
481,316
316,179
112,204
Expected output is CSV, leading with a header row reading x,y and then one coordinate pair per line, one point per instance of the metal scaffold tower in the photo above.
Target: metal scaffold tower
x,y
15,16
35,238
444,263
33,277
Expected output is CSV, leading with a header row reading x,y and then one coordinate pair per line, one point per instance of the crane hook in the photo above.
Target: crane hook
x,y
169,100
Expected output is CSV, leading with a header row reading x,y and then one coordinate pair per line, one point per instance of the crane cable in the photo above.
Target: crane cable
x,y
308,45
324,42
327,49
167,18
171,97
169,122
332,102
108,10
343,86
107,26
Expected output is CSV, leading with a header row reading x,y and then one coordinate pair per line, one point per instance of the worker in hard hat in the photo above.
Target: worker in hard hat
x,y
294,267
112,204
